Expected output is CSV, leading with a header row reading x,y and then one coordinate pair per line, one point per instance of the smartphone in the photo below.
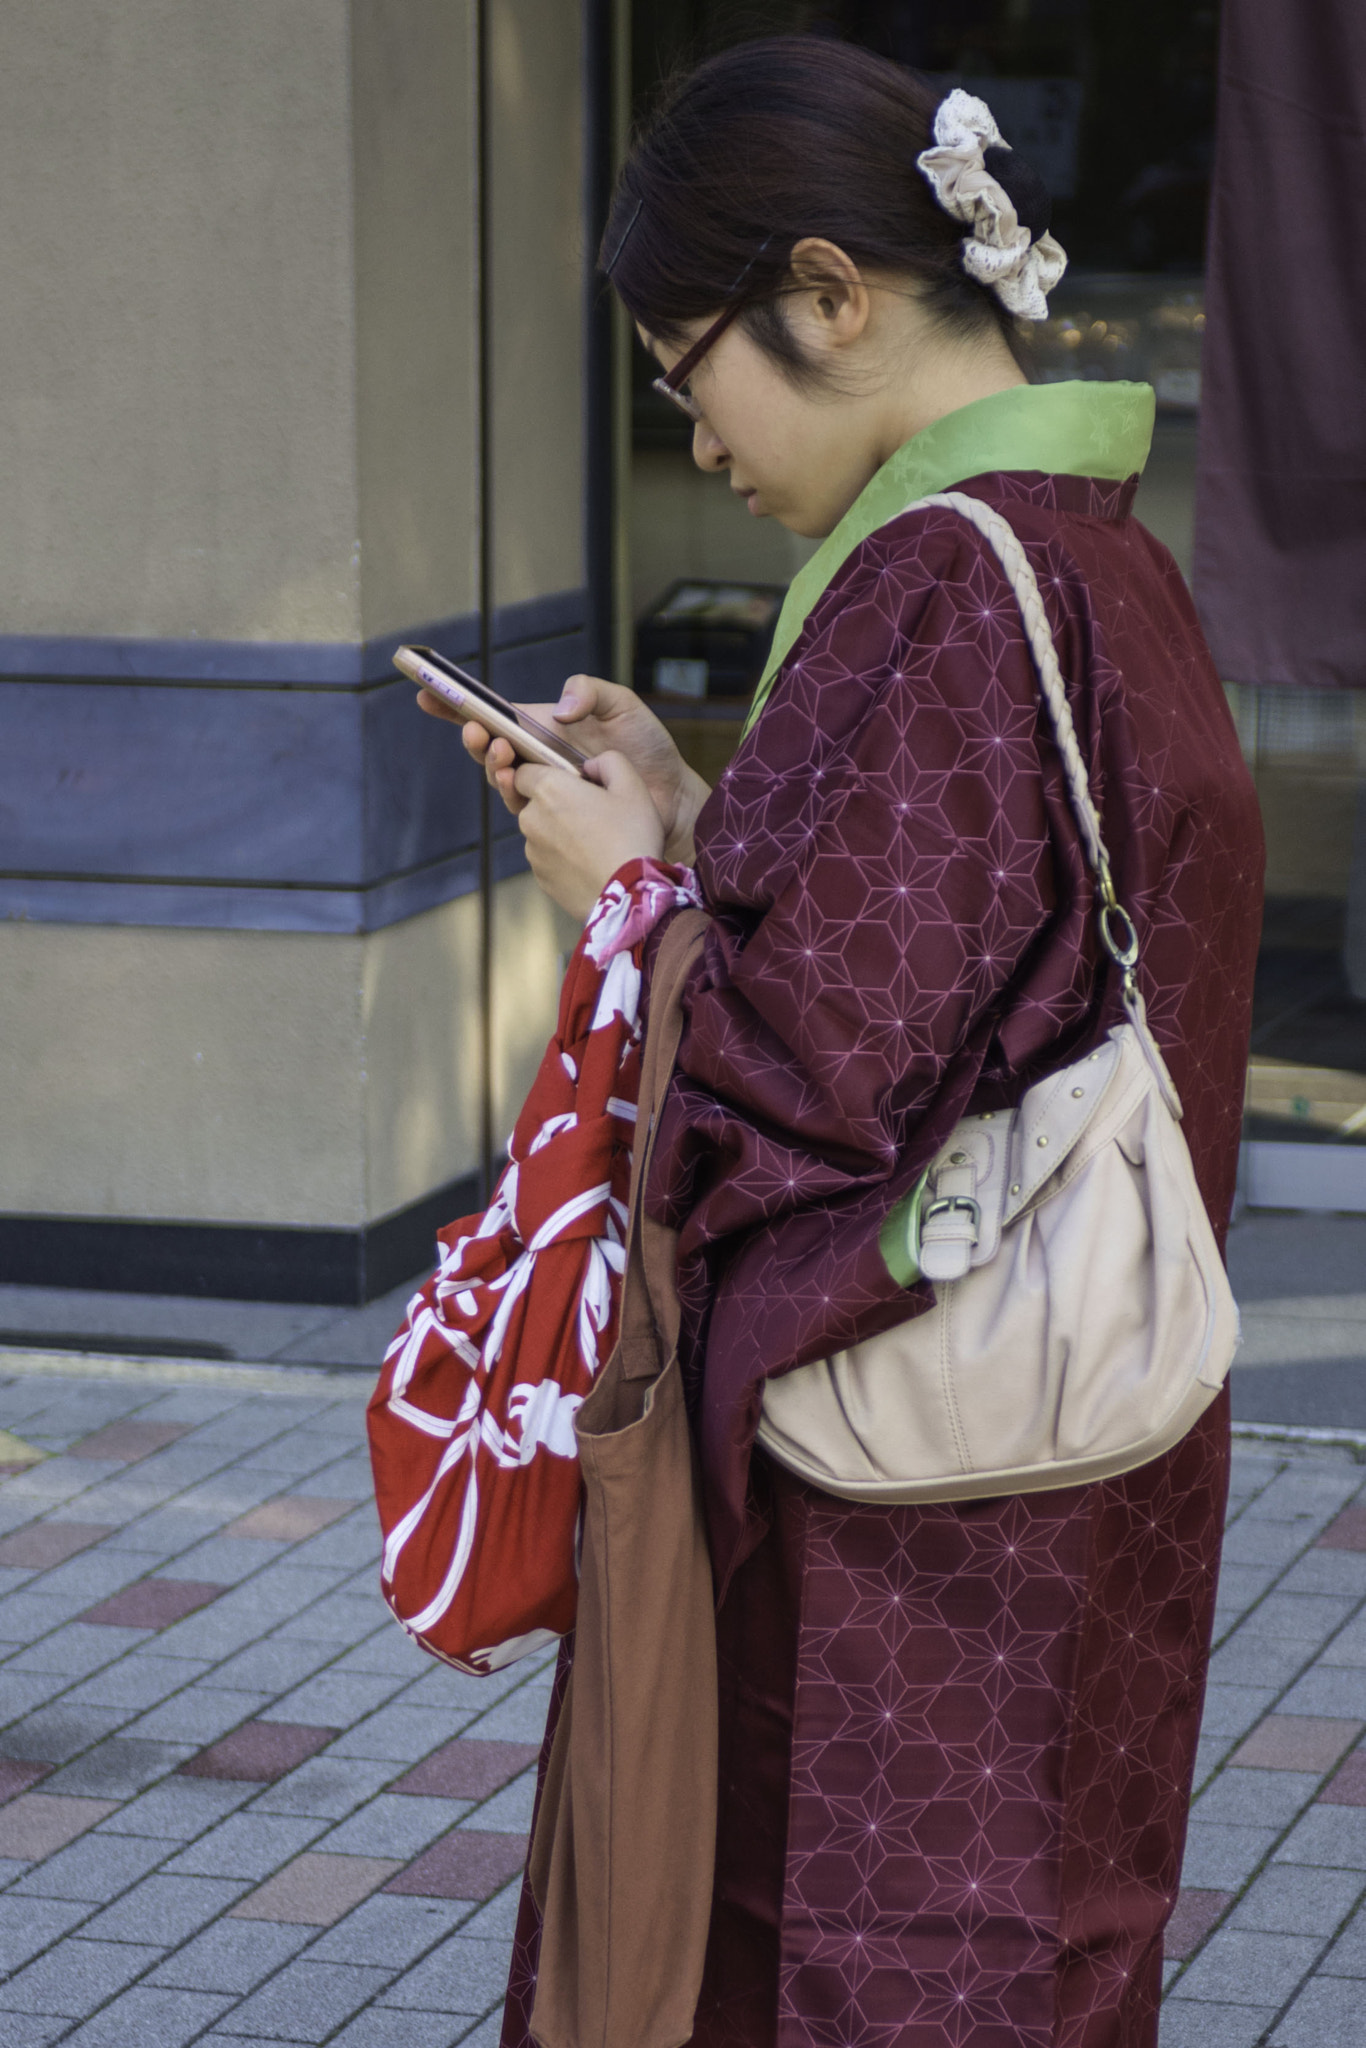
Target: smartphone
x,y
474,701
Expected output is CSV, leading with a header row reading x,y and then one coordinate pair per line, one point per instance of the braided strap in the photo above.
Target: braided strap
x,y
1117,932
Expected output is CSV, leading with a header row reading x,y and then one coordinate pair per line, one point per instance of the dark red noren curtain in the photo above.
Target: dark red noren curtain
x,y
1280,537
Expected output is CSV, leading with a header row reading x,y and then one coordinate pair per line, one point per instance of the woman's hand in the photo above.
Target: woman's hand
x,y
599,716
578,833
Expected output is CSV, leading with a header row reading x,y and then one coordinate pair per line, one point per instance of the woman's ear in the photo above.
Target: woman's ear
x,y
834,304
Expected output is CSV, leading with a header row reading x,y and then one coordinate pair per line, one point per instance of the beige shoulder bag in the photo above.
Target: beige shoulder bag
x,y
1082,1320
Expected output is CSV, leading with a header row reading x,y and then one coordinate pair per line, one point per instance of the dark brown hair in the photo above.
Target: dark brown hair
x,y
769,142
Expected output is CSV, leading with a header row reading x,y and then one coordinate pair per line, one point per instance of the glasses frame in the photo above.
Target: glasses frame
x,y
670,385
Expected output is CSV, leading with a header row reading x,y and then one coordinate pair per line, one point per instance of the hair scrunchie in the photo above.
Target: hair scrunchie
x,y
1009,248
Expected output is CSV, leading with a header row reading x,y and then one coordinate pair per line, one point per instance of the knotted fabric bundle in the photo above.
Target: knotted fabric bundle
x,y
471,1424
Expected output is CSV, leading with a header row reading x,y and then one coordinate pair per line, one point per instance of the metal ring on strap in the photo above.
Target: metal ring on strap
x,y
1123,949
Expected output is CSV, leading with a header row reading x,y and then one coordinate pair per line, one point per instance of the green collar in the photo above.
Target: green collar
x,y
1068,429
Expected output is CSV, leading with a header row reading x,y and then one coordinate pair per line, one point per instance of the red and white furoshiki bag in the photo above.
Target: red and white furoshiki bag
x,y
472,1422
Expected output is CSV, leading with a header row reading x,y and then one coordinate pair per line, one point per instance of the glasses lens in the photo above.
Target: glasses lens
x,y
684,400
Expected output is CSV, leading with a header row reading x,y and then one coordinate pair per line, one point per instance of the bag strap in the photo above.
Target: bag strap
x,y
649,1302
1117,931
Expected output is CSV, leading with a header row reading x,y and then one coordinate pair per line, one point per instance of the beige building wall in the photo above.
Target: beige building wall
x,y
178,435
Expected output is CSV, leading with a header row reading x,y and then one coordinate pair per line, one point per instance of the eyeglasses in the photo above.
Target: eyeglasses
x,y
672,385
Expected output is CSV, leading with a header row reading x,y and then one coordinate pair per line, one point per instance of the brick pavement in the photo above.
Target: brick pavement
x,y
237,1806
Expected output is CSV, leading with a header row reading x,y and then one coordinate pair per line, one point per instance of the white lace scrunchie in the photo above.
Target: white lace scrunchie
x,y
999,251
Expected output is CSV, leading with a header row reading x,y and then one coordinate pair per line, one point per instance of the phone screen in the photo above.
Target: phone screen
x,y
475,688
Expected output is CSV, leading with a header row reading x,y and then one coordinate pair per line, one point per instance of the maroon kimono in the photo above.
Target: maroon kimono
x,y
956,1741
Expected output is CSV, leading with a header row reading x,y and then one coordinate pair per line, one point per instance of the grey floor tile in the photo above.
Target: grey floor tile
x,y
1327,2014
56,1733
28,1926
199,1714
389,1653
384,2027
334,1699
1347,1957
228,1559
75,1977
30,2030
391,1931
1233,1709
77,1649
246,1845
119,1768
232,1955
1297,1898
22,1691
1254,1798
148,2018
1330,1835
307,2001
95,1867
509,1811
274,1665
1193,2023
1222,1858
487,2033
328,1787
1348,1646
140,1681
178,1809
167,1532
1248,1660
342,1618
1210,1752
1311,1495
497,1920
394,1825
518,1718
462,1975
401,1733
1335,1691
459,1691
1249,1969
1253,1545
1328,1571
1299,1617
166,1910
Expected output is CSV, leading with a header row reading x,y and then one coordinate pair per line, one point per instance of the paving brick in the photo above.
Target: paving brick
x,y
246,1845
1327,2014
1291,1899
37,1824
28,1926
262,1751
509,1811
147,2018
355,1543
329,1786
55,1734
1253,1546
459,1691
228,1559
1195,1913
75,1977
273,1665
1332,1835
124,1442
1308,1495
178,1809
1348,1645
1346,1531
1210,1752
496,1919
487,2034
1329,1690
468,1769
95,1868
1255,1798
395,1827
397,1733
142,1680
307,2001
41,1544
22,1692
289,1518
1347,1786
518,1718
119,1768
16,1778
343,1617
1244,1659
1249,1969
1347,1957
153,1603
1299,1617
76,1649
466,1864
201,1713
232,1955
317,1888
389,1650
386,2027
335,1699
30,1614
1193,2023
1222,1858
391,1931
163,1910
158,1532
462,1975
1296,1742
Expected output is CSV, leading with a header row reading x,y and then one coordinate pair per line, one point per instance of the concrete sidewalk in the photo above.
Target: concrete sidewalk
x,y
241,1807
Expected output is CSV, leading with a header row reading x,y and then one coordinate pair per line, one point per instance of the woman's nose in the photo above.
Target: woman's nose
x,y
709,451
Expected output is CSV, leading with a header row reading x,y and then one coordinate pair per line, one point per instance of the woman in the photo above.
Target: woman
x,y
956,1741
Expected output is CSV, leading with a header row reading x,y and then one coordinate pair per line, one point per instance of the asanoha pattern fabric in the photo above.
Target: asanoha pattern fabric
x,y
903,921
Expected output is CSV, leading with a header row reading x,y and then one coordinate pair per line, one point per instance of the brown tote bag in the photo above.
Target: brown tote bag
x,y
622,1860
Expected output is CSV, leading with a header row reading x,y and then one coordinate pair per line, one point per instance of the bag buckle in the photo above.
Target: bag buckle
x,y
955,1205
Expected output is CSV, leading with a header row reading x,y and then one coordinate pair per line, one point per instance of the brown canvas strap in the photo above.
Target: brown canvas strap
x,y
649,1302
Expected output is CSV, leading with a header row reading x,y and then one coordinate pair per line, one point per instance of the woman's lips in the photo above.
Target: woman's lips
x,y
749,498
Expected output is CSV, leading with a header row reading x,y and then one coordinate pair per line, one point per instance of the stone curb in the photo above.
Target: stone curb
x,y
355,1381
